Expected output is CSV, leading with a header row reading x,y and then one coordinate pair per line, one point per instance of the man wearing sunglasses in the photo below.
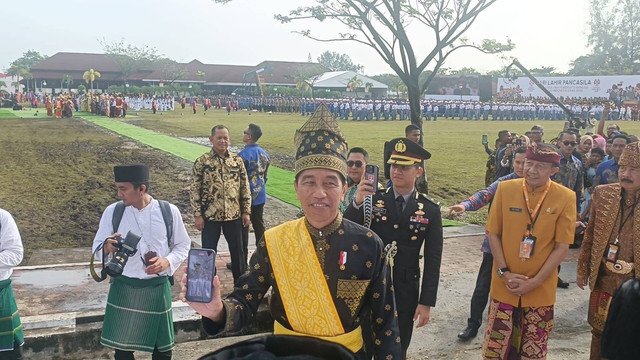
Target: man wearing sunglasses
x,y
570,174
357,160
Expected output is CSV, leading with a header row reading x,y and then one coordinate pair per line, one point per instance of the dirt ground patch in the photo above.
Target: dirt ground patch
x,y
56,178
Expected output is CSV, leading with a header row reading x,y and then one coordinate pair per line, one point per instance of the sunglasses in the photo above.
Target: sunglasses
x,y
357,163
569,143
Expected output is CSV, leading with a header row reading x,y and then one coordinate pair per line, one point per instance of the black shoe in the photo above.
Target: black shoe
x,y
469,333
562,284
229,266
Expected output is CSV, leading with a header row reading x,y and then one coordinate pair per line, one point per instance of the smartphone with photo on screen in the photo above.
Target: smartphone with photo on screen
x,y
201,268
371,174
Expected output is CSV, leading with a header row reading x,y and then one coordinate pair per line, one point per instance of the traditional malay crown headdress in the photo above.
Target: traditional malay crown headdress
x,y
543,153
320,144
630,155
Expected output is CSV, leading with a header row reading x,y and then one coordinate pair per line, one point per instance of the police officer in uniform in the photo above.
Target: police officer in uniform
x,y
405,220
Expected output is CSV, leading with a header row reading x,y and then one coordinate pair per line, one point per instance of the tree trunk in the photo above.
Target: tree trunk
x,y
413,92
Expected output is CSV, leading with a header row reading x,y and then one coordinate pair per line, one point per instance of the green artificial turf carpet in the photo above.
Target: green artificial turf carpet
x,y
280,181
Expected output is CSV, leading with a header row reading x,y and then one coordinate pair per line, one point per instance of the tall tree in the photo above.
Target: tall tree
x,y
90,76
614,38
384,26
171,71
22,66
338,62
130,58
66,80
354,83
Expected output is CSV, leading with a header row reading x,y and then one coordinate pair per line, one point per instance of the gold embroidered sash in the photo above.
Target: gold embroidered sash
x,y
303,288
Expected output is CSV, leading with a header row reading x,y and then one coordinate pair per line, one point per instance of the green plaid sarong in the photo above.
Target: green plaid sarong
x,y
138,316
10,325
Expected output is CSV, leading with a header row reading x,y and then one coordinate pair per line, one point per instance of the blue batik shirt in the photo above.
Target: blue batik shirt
x,y
482,198
607,173
571,175
256,161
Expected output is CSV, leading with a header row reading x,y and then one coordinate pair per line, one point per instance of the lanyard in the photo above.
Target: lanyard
x,y
533,214
624,220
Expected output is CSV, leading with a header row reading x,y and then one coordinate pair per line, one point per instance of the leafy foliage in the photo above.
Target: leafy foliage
x,y
22,66
90,76
338,62
130,58
614,38
383,25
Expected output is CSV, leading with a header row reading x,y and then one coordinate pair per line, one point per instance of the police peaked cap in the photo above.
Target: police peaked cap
x,y
406,152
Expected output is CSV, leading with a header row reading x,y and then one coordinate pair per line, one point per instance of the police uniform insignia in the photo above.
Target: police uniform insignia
x,y
400,147
380,203
414,238
419,213
420,206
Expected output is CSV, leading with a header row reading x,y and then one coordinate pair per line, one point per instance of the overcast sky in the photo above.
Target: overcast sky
x,y
244,32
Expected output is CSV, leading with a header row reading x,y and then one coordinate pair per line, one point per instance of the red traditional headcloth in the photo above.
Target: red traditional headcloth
x,y
543,154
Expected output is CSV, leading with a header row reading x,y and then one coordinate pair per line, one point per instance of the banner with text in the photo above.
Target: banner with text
x,y
569,86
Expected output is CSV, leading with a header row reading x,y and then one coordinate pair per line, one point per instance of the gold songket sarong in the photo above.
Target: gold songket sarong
x,y
305,293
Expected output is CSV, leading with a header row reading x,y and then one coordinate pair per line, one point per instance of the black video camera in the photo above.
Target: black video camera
x,y
126,247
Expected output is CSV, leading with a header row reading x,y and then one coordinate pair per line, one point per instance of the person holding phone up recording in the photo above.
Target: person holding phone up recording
x,y
323,270
138,316
405,219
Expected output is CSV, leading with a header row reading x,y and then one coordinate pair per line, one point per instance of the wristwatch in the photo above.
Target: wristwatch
x,y
503,270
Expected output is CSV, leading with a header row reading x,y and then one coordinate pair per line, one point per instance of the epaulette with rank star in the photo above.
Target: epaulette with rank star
x,y
430,199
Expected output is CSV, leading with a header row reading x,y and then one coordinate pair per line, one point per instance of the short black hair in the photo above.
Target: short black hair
x,y
537,127
359,150
619,338
137,185
521,150
598,151
502,132
568,132
410,128
256,131
621,136
218,127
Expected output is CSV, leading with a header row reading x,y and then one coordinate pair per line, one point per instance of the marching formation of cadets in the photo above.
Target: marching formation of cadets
x,y
115,105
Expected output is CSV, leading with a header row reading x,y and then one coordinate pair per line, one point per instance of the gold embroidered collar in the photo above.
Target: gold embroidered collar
x,y
326,231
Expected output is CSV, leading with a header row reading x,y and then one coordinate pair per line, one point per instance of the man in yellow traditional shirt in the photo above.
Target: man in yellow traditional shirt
x,y
531,225
323,269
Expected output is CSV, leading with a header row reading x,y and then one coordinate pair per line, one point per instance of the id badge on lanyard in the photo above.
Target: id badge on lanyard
x,y
528,243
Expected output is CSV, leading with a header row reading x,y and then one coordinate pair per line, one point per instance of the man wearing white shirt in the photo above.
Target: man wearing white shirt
x,y
138,316
11,336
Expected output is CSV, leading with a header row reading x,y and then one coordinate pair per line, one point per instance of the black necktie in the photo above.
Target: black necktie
x,y
399,205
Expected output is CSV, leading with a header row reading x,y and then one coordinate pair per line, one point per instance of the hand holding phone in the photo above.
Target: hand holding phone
x,y
201,268
371,174
485,141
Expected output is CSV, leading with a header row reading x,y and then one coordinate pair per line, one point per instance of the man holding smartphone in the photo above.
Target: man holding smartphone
x,y
323,270
138,316
405,220
357,160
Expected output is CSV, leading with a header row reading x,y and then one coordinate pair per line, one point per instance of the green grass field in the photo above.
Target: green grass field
x,y
456,168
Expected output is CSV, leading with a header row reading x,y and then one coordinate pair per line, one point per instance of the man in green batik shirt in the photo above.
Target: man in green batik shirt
x,y
357,160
